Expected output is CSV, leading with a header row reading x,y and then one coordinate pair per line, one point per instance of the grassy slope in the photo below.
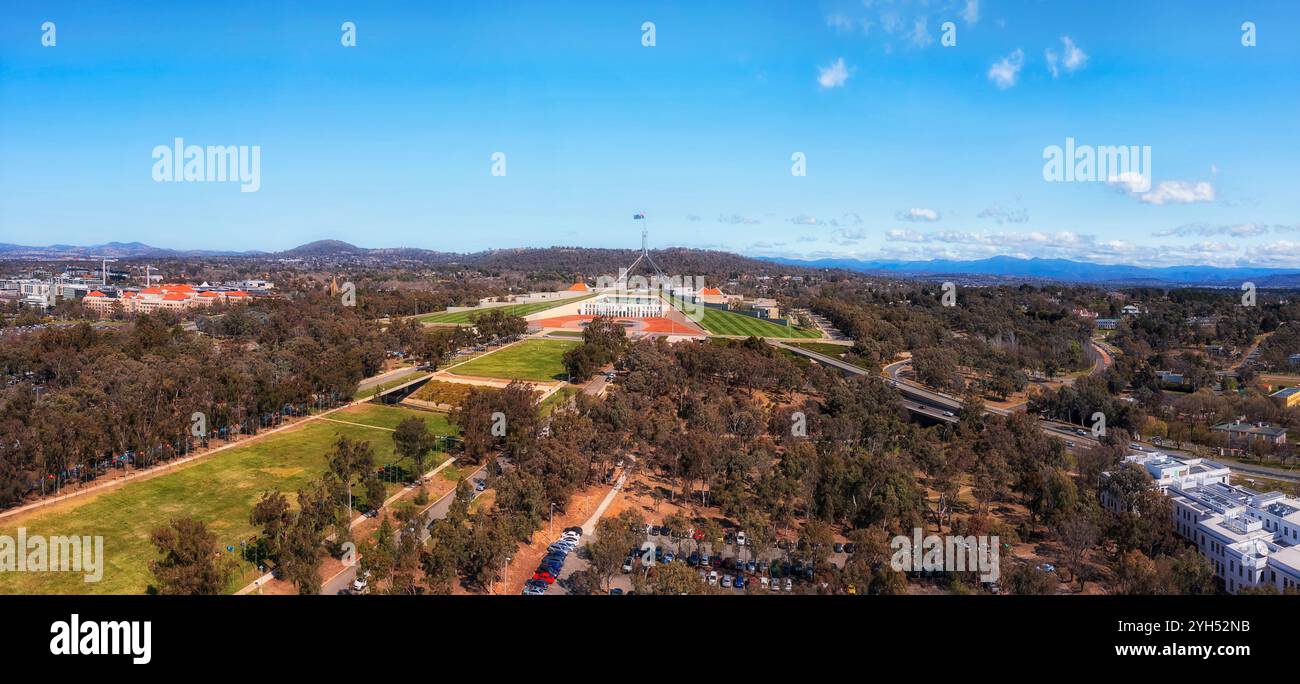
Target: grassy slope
x,y
534,359
219,490
464,317
834,351
721,322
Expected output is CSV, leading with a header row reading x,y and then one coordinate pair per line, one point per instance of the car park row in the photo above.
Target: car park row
x,y
549,569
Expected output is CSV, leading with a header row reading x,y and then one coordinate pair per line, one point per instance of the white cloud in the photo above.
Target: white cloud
x,y
891,21
918,214
920,35
1001,215
1072,58
1179,192
1204,229
737,219
851,234
1131,182
848,219
1137,185
833,76
840,23
971,13
1004,72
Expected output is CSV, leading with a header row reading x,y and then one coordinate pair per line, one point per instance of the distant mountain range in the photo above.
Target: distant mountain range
x,y
994,269
112,250
1065,270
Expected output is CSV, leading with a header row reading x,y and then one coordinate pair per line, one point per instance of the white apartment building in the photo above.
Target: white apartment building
x,y
1250,538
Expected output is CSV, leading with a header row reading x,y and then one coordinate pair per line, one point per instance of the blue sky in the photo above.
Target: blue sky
x,y
914,150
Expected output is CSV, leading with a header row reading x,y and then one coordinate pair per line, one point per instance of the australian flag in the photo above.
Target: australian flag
x,y
639,216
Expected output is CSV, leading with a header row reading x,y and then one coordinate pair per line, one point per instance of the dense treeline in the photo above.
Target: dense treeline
x,y
78,401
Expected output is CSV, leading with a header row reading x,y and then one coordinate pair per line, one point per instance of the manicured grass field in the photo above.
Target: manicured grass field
x,y
467,317
533,359
834,351
219,490
721,322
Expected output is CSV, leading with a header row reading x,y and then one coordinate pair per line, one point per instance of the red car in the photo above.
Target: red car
x,y
545,577
698,535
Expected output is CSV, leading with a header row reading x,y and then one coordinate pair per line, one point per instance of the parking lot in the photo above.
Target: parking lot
x,y
719,568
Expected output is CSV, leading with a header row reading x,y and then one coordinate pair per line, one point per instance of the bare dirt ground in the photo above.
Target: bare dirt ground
x,y
527,556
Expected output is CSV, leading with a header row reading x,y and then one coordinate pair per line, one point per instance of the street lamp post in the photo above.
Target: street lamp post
x,y
551,522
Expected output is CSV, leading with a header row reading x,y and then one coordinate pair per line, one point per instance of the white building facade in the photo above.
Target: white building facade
x,y
1250,538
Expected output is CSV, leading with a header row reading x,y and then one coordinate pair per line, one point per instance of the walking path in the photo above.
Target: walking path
x,y
590,526
255,584
348,422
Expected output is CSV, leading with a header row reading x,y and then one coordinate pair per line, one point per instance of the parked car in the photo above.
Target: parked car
x,y
362,583
713,578
838,547
789,586
849,547
726,581
615,592
739,582
693,560
627,565
740,538
764,583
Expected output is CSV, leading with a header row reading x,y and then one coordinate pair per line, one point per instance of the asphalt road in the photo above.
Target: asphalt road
x,y
394,374
438,511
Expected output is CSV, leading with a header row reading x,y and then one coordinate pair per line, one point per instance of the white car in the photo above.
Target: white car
x,y
361,583
740,539
764,583
713,578
789,585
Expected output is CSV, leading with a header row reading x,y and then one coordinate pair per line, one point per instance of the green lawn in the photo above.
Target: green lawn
x,y
533,359
466,317
219,490
721,322
560,398
835,351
